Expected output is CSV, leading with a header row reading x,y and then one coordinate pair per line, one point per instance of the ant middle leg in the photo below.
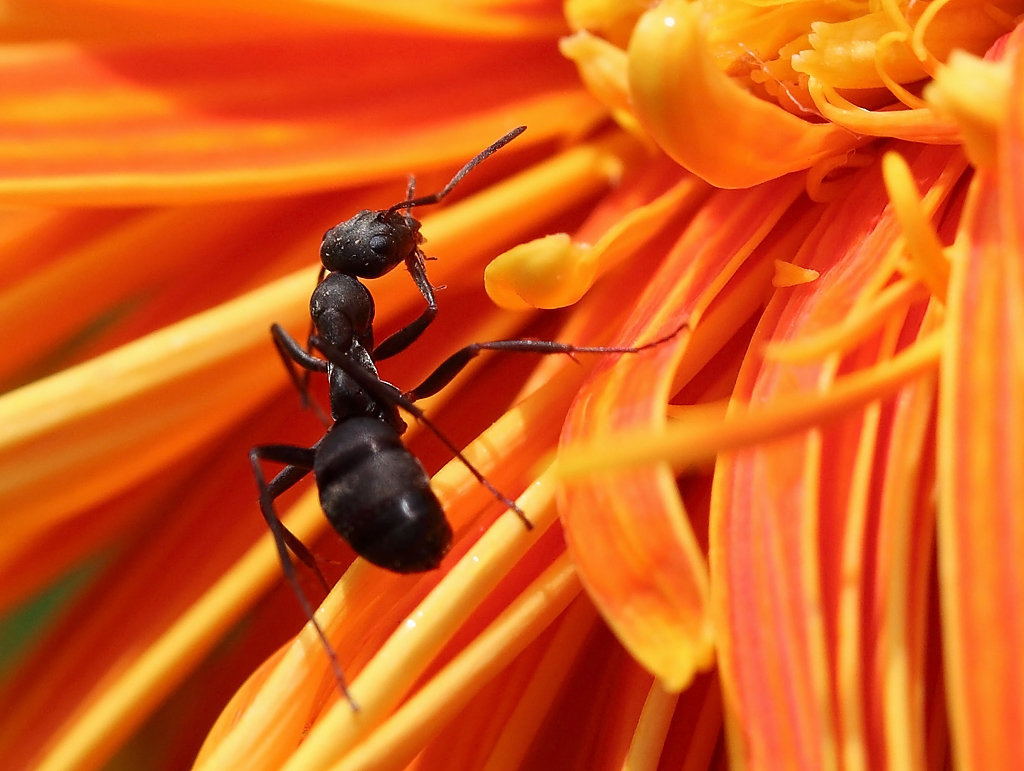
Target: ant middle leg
x,y
458,361
407,335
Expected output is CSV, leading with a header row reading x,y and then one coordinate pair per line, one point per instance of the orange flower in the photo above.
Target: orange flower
x,y
828,195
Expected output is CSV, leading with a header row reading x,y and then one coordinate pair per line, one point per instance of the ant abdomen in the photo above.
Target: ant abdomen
x,y
377,496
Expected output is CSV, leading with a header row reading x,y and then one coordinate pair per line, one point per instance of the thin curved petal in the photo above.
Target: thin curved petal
x,y
794,599
636,551
981,430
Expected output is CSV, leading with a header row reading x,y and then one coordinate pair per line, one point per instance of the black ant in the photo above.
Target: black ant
x,y
375,493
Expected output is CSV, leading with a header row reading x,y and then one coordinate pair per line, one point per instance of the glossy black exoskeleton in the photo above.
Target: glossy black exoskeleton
x,y
374,492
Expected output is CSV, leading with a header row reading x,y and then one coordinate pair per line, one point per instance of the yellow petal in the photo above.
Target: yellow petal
x,y
788,274
703,119
974,92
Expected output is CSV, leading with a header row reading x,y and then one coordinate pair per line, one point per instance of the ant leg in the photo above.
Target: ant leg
x,y
299,462
292,353
303,387
403,338
388,394
455,363
406,336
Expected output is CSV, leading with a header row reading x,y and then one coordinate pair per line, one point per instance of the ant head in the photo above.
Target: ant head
x,y
371,243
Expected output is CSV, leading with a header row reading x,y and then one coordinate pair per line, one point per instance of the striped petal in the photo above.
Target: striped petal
x,y
981,428
130,124
812,679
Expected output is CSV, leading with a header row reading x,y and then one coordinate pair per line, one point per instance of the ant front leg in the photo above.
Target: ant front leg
x,y
299,462
292,353
406,336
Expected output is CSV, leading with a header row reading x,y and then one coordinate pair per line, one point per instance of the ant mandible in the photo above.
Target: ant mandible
x,y
374,492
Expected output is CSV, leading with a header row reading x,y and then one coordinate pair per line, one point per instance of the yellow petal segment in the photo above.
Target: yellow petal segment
x,y
703,119
553,272
974,92
603,67
847,54
548,272
788,274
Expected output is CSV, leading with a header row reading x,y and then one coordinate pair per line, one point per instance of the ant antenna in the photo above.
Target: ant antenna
x,y
439,196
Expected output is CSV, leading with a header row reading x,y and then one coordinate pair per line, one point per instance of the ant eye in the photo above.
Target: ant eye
x,y
380,244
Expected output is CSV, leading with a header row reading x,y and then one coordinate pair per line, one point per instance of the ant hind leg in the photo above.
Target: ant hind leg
x,y
299,462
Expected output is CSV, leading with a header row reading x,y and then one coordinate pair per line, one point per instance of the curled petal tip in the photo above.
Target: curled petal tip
x,y
548,272
706,121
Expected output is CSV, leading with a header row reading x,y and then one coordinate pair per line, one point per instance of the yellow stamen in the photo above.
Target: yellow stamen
x,y
917,125
926,253
552,272
703,433
413,725
887,41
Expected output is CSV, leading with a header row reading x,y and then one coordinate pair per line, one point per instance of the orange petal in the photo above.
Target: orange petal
x,y
635,548
135,20
981,431
796,604
204,121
